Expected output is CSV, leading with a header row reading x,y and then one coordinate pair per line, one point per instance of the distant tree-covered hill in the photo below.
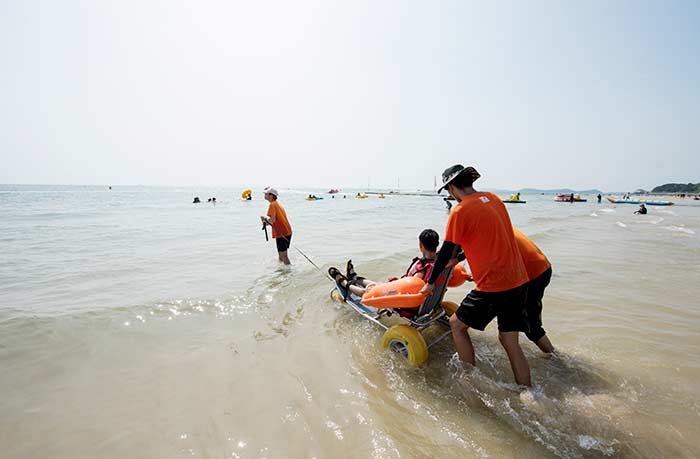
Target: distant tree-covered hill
x,y
677,188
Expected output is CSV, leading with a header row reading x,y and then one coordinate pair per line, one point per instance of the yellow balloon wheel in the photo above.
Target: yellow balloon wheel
x,y
450,307
408,342
246,194
335,295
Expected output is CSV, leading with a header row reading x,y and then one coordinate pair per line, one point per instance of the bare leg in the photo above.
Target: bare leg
x,y
463,344
545,345
284,258
357,290
518,362
360,290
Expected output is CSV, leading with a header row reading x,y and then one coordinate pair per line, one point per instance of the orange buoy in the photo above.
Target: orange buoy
x,y
401,293
459,276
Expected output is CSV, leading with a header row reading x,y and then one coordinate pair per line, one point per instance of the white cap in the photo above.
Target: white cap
x,y
272,191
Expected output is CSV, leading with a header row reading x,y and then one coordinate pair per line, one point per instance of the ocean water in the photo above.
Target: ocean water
x,y
136,324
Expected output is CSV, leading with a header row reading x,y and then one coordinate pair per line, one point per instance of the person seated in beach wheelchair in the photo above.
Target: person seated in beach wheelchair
x,y
428,242
376,301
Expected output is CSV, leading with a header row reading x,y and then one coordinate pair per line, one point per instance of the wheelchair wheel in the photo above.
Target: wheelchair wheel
x,y
335,295
408,342
450,307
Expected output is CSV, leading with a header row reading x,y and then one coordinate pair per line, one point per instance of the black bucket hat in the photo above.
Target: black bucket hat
x,y
455,171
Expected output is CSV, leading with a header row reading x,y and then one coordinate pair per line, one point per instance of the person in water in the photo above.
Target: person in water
x,y
196,200
479,225
642,210
281,229
539,274
428,242
599,198
449,204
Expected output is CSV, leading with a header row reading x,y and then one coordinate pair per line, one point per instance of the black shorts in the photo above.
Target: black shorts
x,y
480,308
283,243
535,292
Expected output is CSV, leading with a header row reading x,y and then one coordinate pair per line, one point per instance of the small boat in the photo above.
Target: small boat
x,y
333,191
637,201
567,198
514,199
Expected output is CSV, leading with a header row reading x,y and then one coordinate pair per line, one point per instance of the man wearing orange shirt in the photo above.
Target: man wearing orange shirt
x,y
480,225
281,229
539,273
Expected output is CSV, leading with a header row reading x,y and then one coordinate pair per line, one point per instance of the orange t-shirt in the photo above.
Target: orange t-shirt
x,y
281,227
535,261
481,225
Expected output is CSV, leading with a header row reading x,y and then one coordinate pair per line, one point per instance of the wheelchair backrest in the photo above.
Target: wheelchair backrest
x,y
434,300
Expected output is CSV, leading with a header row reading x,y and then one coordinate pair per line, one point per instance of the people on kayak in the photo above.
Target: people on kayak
x,y
481,227
422,267
642,210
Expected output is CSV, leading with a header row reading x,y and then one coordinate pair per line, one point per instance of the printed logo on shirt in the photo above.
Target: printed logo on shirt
x,y
484,199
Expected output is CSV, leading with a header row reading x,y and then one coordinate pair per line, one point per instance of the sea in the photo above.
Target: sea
x,y
134,323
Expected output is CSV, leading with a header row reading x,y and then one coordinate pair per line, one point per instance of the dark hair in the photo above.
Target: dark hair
x,y
430,239
463,181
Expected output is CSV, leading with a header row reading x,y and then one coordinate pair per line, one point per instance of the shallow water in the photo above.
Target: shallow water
x,y
136,324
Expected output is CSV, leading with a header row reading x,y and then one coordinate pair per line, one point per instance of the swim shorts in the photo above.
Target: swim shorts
x,y
535,292
478,309
283,243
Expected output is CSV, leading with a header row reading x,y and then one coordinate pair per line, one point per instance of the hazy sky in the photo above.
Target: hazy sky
x,y
325,93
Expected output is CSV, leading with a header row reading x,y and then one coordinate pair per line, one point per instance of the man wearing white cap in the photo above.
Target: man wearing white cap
x,y
277,218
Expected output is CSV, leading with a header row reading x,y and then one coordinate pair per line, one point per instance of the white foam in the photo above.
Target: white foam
x,y
594,214
608,210
679,229
621,225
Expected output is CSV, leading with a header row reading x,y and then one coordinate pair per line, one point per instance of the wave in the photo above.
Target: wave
x,y
679,229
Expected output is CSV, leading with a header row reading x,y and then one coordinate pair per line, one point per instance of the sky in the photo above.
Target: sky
x,y
541,94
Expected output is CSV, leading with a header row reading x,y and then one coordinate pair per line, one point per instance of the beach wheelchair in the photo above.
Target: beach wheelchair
x,y
407,338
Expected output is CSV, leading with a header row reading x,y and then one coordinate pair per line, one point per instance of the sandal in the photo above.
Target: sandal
x,y
337,276
350,270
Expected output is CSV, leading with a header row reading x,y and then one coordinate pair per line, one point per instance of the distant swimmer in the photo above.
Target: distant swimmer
x,y
571,197
213,200
481,227
599,198
196,200
449,204
277,218
642,210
